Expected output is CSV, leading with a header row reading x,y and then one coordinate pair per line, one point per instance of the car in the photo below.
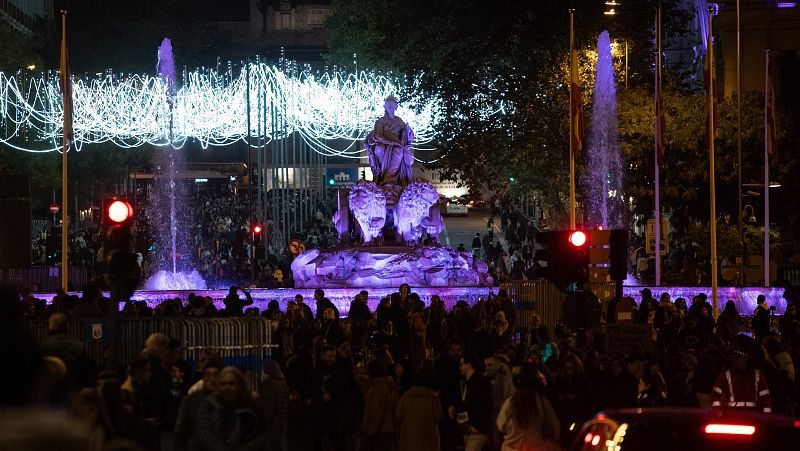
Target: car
x,y
455,207
685,429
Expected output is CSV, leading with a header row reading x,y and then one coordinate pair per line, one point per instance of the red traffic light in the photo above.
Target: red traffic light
x,y
577,238
119,211
257,229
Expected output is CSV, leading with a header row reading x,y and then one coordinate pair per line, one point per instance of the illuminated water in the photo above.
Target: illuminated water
x,y
168,214
603,196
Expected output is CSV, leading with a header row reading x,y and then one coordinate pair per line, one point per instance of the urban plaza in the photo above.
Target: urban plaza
x,y
401,225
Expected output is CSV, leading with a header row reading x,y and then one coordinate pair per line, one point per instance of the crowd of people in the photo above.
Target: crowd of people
x,y
218,241
410,374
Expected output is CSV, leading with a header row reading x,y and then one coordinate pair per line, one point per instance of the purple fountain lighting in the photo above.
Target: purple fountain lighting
x,y
164,216
603,196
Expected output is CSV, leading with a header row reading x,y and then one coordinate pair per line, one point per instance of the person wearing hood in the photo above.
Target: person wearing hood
x,y
417,417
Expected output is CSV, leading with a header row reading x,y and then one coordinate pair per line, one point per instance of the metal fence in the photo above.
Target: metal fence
x,y
48,277
241,342
535,296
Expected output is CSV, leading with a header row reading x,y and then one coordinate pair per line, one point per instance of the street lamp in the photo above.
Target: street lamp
x,y
749,214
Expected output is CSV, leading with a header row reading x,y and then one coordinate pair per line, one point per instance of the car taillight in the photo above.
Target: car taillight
x,y
730,429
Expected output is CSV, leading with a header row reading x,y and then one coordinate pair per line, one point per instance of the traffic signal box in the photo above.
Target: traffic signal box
x,y
562,256
117,251
574,256
117,221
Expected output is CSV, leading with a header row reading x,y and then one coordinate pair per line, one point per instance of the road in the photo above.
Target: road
x,y
461,229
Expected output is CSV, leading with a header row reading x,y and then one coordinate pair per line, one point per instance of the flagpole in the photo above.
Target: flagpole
x,y
64,193
711,173
766,167
571,126
739,142
657,138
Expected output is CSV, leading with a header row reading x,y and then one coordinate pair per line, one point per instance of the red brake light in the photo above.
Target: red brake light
x,y
730,429
596,440
577,238
257,229
588,437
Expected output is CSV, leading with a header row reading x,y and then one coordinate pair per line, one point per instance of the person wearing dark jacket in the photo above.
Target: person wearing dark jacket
x,y
186,432
274,397
359,310
234,304
326,390
473,409
476,245
761,318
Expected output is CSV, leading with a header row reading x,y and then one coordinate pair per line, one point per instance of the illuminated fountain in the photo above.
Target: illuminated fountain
x,y
171,241
602,183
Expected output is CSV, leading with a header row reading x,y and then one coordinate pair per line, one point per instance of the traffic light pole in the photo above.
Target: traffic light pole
x,y
250,178
113,322
571,125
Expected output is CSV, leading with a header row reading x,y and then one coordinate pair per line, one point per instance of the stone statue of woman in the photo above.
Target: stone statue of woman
x,y
389,147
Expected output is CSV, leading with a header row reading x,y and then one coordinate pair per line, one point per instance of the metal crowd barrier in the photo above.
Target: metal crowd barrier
x,y
243,342
535,296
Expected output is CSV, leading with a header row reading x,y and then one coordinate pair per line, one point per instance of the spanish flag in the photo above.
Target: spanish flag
x,y
710,81
577,103
65,83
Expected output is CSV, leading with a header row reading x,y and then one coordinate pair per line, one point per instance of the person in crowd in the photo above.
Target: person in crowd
x,y
476,245
728,322
380,400
473,408
740,386
326,390
230,419
497,371
234,305
418,344
761,318
386,338
572,391
162,391
135,386
274,398
187,423
527,419
418,416
86,408
305,310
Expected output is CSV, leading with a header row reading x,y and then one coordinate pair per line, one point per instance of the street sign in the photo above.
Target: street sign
x,y
54,208
341,178
650,236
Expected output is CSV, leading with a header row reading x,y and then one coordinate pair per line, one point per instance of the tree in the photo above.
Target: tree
x,y
503,55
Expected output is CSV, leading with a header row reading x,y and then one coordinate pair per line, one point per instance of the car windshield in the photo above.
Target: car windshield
x,y
658,434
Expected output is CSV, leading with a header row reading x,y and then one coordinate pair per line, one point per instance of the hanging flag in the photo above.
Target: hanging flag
x,y
660,118
771,131
65,83
709,81
577,103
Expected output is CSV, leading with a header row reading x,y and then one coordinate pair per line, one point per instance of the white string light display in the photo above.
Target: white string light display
x,y
211,108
